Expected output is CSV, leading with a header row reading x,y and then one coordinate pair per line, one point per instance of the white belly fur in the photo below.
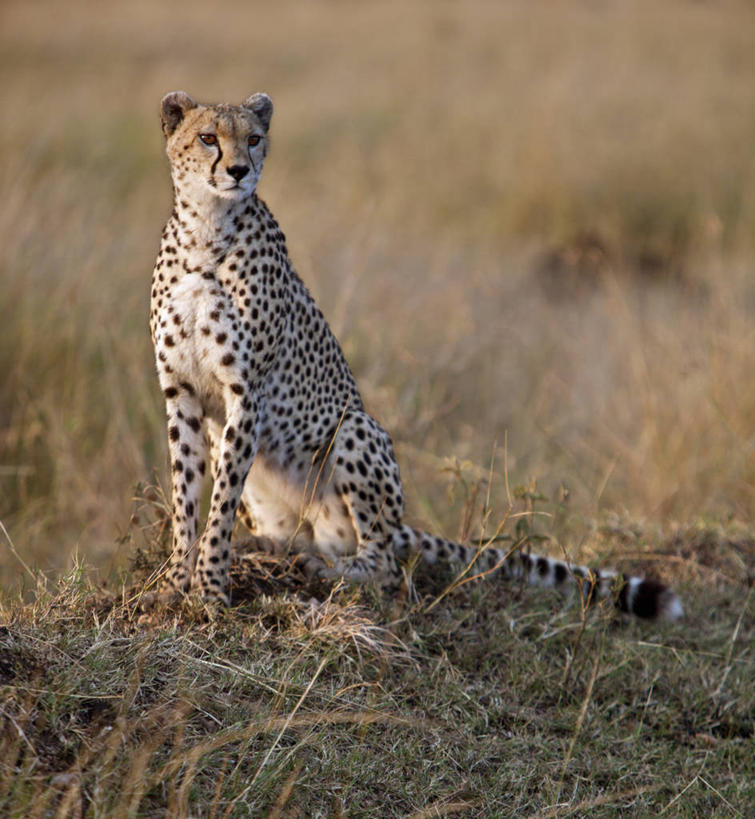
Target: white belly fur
x,y
286,509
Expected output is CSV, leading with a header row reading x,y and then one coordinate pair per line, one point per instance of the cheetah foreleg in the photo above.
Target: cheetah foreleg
x,y
236,452
187,457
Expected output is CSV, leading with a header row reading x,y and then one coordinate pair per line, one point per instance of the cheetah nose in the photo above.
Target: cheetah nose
x,y
238,172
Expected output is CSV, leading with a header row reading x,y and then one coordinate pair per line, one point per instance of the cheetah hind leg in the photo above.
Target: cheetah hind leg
x,y
374,559
365,479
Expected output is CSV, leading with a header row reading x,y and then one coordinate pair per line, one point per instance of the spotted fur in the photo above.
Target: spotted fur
x,y
258,392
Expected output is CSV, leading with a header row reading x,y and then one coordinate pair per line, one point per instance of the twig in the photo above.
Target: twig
x,y
732,641
580,720
35,577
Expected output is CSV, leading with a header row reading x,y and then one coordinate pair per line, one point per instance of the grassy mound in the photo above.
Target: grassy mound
x,y
477,699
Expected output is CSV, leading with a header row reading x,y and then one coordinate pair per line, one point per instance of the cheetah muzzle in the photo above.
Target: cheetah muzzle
x,y
259,395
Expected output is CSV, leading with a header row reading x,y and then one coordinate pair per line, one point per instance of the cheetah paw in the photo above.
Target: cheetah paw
x,y
214,598
163,596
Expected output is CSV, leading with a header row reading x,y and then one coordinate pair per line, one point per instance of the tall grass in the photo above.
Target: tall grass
x,y
427,158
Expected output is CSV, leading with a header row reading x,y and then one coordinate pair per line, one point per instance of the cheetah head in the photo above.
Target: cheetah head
x,y
216,150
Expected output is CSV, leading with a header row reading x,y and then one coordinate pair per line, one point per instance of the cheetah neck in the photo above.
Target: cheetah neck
x,y
206,227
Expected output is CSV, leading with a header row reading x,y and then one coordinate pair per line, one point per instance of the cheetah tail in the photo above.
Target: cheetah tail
x,y
642,597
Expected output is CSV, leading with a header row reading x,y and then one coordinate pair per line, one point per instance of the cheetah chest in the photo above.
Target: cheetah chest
x,y
198,340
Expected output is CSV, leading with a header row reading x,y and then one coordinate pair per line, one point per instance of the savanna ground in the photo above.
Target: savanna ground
x,y
532,226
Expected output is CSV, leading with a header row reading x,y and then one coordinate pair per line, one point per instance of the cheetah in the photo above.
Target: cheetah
x,y
259,396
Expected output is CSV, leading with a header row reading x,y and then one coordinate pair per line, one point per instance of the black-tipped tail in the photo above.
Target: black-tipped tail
x,y
648,599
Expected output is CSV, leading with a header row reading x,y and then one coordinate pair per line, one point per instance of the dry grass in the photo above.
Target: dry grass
x,y
484,706
532,228
554,208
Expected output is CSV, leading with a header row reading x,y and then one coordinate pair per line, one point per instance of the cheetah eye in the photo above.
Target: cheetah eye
x,y
209,139
254,140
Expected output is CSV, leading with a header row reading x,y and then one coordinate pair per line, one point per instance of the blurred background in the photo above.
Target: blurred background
x,y
531,225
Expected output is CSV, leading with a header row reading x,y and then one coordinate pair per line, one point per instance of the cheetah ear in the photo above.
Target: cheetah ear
x,y
262,106
173,108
